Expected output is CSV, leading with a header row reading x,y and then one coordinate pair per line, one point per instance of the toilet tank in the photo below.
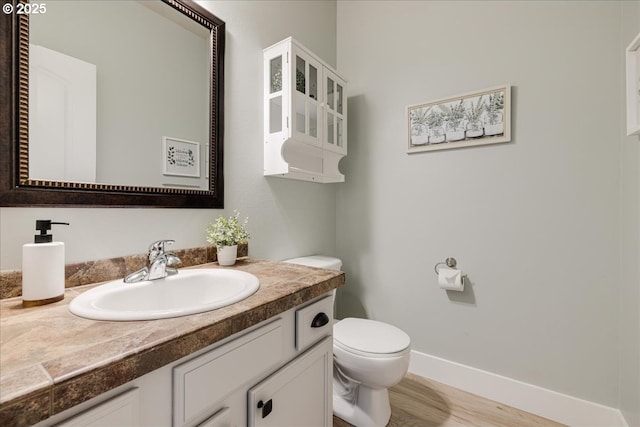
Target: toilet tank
x,y
319,261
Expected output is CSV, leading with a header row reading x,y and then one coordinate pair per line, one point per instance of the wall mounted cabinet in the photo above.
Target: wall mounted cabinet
x,y
305,115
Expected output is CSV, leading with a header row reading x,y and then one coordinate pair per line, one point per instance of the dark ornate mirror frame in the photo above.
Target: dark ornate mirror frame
x,y
16,189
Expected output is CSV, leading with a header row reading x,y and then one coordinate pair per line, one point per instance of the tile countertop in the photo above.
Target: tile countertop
x,y
52,360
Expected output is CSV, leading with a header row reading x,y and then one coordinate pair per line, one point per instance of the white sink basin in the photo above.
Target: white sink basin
x,y
188,292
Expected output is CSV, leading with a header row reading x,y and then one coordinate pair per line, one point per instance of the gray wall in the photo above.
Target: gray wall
x,y
533,222
630,250
287,218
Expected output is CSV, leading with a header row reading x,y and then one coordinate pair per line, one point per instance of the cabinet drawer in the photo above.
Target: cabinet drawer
x,y
203,382
219,419
121,410
314,322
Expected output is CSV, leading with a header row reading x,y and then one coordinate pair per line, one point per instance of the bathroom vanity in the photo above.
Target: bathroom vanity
x,y
265,361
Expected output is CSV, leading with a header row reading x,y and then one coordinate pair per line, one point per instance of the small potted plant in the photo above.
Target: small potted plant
x,y
435,120
225,234
493,114
454,115
475,127
419,127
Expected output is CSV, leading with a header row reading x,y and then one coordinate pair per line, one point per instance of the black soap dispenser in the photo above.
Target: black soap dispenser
x,y
43,267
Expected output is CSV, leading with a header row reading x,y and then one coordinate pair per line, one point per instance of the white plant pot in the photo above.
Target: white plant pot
x,y
456,135
419,134
419,139
475,129
436,135
227,255
493,129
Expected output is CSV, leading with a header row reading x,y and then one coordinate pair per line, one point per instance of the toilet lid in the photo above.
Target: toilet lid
x,y
370,336
319,261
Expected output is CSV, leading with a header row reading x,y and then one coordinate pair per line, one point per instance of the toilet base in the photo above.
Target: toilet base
x,y
363,407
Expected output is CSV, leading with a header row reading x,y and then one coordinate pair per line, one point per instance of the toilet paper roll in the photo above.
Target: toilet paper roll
x,y
450,279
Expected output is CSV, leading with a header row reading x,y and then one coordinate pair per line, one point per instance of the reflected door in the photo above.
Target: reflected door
x,y
62,117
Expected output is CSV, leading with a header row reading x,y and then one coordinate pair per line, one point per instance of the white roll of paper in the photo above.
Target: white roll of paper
x,y
450,279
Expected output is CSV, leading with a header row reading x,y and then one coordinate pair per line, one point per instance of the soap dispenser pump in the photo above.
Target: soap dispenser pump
x,y
43,267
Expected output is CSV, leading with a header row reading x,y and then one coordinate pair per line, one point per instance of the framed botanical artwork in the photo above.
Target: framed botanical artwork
x,y
180,157
476,118
633,87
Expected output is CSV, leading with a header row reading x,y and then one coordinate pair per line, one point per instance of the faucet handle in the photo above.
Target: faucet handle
x,y
157,248
172,260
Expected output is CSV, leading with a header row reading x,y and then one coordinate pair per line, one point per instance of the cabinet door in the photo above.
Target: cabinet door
x,y
335,116
275,84
299,394
202,383
306,89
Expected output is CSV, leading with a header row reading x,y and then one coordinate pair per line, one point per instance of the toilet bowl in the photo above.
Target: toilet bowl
x,y
369,357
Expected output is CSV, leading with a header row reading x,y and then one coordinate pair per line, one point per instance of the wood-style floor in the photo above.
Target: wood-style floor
x,y
419,402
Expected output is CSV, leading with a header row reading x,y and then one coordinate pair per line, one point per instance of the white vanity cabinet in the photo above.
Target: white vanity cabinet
x,y
305,115
276,373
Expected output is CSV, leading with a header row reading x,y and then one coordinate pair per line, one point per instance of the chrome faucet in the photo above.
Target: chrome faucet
x,y
160,264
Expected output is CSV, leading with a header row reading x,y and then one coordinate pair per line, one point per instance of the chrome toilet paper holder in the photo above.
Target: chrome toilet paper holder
x,y
449,262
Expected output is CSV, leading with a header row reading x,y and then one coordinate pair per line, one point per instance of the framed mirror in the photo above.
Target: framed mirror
x,y
122,107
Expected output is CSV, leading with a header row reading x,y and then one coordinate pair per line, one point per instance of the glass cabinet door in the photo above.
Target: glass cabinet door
x,y
306,89
275,94
334,132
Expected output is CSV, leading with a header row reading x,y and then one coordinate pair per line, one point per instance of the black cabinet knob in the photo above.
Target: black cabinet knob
x,y
320,320
266,407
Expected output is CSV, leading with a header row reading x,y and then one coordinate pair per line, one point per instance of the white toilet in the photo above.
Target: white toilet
x,y
369,357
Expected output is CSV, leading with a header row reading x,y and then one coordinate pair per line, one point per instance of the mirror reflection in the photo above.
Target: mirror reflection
x,y
119,94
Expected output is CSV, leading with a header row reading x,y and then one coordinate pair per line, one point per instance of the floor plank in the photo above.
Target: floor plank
x,y
419,402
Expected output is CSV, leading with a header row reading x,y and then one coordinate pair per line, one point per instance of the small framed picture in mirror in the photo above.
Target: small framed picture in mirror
x,y
180,157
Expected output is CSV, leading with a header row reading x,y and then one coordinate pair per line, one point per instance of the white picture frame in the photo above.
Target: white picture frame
x,y
632,54
474,118
180,157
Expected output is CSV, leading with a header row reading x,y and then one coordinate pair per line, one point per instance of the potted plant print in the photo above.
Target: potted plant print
x,y
419,126
225,234
454,115
435,119
474,127
493,114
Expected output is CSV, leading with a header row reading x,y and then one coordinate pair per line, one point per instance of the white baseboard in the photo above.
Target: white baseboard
x,y
527,397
